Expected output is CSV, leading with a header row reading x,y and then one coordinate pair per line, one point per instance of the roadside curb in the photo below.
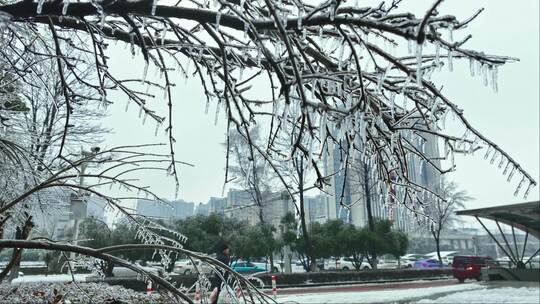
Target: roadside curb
x,y
358,282
365,287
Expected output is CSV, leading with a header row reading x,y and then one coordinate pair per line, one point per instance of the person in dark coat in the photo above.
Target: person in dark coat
x,y
224,256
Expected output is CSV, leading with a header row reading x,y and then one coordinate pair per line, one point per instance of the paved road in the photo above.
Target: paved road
x,y
366,287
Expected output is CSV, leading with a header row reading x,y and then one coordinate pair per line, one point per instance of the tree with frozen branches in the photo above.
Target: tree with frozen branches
x,y
441,212
40,129
325,73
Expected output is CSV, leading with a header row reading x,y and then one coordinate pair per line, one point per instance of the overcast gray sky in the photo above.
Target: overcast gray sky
x,y
510,117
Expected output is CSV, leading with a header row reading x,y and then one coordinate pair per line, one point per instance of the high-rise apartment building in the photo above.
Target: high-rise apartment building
x,y
359,188
166,210
242,205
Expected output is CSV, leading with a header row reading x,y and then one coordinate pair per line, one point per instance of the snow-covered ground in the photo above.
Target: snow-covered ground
x,y
472,293
462,293
530,293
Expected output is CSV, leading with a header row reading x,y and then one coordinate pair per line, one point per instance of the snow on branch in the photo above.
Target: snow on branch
x,y
333,75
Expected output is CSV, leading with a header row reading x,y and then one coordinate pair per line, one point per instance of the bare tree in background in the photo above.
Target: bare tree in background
x,y
332,73
363,185
441,212
38,129
42,126
249,171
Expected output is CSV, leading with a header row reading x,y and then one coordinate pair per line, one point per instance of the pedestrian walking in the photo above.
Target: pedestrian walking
x,y
224,256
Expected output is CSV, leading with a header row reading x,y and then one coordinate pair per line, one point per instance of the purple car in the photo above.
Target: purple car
x,y
427,263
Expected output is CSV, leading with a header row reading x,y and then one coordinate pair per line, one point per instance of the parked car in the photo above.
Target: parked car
x,y
449,258
187,267
505,262
533,262
266,266
278,266
427,263
387,262
469,267
296,266
246,267
348,264
530,263
320,264
127,272
407,261
446,256
330,264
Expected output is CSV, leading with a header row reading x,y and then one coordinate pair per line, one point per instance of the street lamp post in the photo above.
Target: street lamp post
x,y
78,206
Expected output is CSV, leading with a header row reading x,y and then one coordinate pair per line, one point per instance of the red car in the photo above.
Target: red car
x,y
469,267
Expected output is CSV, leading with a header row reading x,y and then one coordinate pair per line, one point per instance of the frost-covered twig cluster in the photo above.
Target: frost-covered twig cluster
x,y
245,289
334,72
70,293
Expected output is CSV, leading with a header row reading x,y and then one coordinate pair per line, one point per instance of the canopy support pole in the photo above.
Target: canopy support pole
x,y
506,241
497,242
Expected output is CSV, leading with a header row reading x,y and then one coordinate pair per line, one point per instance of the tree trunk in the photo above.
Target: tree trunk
x,y
108,269
312,263
367,195
14,273
436,237
12,269
271,262
371,224
2,223
286,257
12,266
260,202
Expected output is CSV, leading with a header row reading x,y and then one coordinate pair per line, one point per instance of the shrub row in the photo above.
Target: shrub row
x,y
327,277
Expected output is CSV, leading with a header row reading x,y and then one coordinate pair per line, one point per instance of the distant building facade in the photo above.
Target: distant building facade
x,y
95,208
241,205
202,209
316,209
217,205
167,210
465,241
351,191
276,206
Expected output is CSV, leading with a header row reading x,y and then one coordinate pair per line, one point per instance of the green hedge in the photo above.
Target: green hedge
x,y
312,278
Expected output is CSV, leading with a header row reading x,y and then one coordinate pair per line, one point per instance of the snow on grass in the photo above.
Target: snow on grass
x,y
56,292
378,296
